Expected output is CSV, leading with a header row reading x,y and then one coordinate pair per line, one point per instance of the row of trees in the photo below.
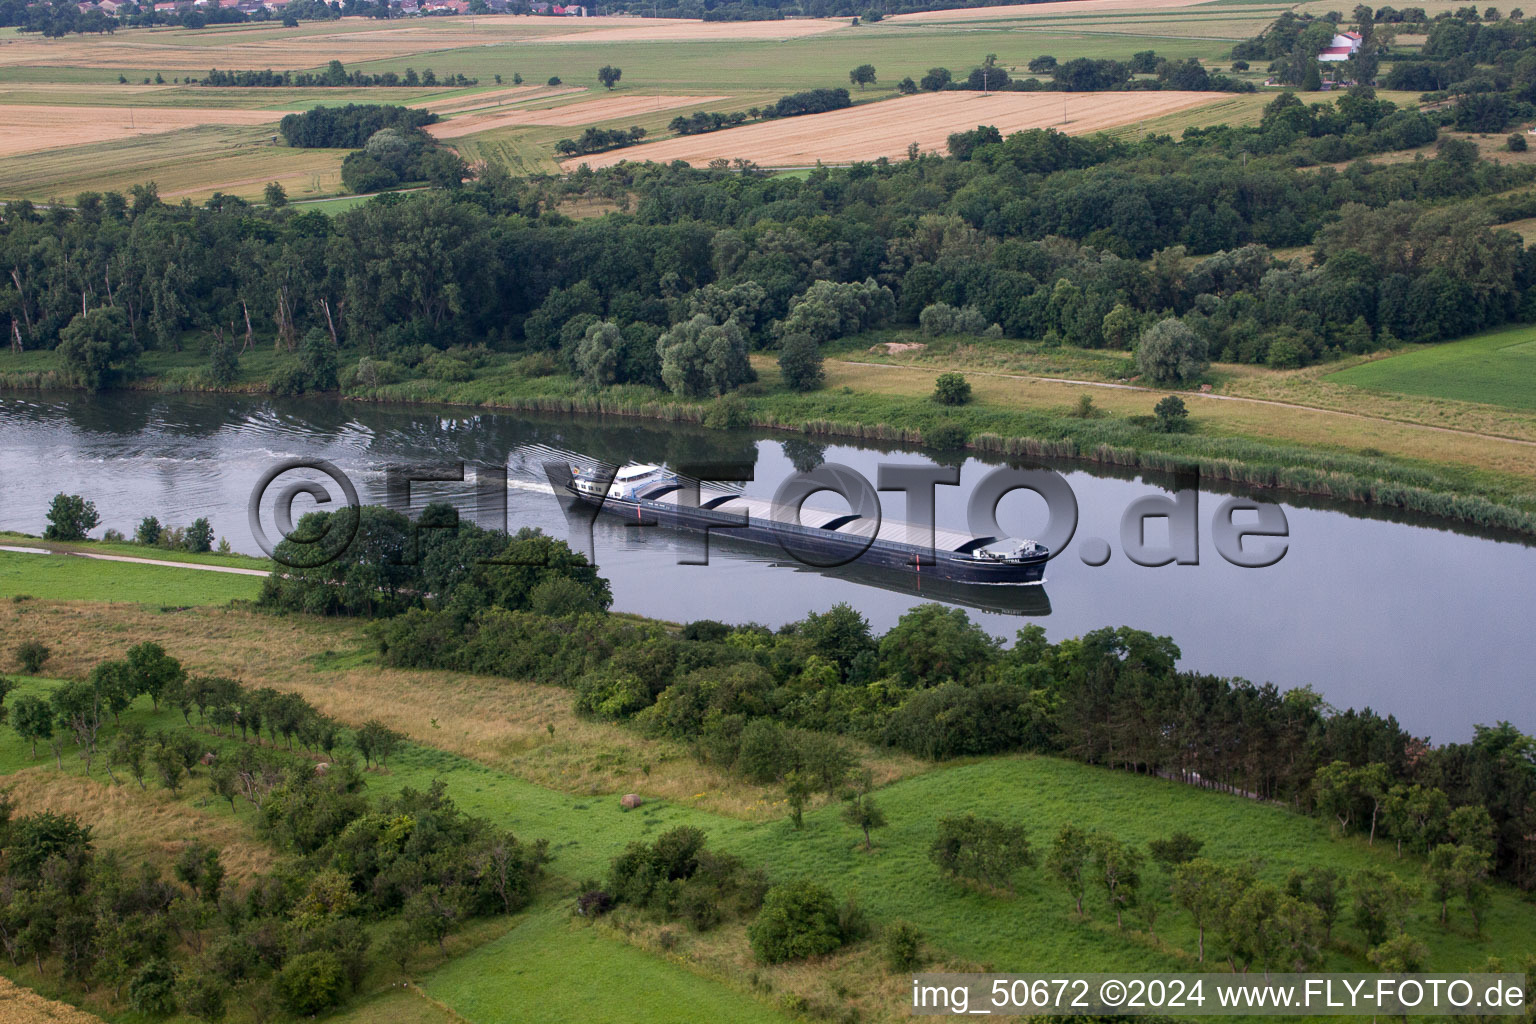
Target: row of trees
x,y
335,75
1081,74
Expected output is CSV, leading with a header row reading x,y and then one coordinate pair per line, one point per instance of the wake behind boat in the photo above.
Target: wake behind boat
x,y
655,494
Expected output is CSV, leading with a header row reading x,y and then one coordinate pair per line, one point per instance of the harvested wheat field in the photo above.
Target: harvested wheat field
x,y
265,46
496,97
28,128
873,130
20,1005
682,30
1052,7
608,108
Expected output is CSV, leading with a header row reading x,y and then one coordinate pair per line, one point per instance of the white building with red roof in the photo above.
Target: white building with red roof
x,y
1344,46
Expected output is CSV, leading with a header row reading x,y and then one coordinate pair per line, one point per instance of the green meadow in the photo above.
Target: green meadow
x,y
1498,368
572,971
68,578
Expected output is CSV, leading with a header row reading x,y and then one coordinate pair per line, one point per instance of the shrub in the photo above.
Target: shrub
x,y
798,920
951,389
311,983
153,989
903,948
946,435
1516,143
942,318
1172,415
31,654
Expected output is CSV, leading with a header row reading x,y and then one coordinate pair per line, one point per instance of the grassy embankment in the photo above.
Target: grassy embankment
x,y
497,745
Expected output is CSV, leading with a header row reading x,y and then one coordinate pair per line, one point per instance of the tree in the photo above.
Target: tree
x,y
798,920
862,75
700,357
32,718
1171,353
276,195
317,353
1117,867
1179,848
199,868
906,86
1203,888
147,532
951,389
935,80
1311,76
376,741
223,361
797,790
70,517
1172,415
98,344
596,355
127,751
1068,859
1401,954
199,536
800,362
1321,888
982,850
859,809
609,75
1380,902
153,989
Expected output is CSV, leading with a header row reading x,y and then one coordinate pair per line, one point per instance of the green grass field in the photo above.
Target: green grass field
x,y
65,578
555,970
1498,368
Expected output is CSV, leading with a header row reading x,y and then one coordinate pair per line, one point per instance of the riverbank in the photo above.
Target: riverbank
x,y
1460,475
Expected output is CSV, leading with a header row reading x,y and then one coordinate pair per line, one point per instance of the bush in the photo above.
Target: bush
x,y
153,989
942,318
311,983
1516,143
1172,415
798,920
31,654
903,948
946,435
951,389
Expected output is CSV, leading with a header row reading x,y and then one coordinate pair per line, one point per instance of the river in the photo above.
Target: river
x,y
1404,615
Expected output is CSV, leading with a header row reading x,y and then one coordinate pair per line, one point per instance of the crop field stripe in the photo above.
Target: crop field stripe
x,y
869,131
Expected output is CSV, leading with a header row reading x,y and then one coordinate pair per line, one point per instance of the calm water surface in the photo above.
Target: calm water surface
x,y
1412,618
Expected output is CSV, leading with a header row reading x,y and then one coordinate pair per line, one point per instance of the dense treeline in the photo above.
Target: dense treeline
x,y
360,881
334,76
58,18
1082,74
765,704
1046,235
349,126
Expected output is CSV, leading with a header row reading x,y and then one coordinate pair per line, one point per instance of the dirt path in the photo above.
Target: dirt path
x,y
1215,397
16,549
